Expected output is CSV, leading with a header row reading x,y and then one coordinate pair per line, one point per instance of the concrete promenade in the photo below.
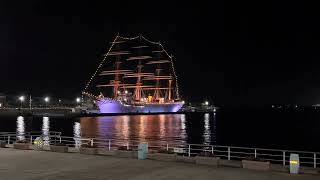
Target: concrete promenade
x,y
42,165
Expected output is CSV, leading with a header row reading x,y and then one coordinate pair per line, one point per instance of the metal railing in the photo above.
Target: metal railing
x,y
275,156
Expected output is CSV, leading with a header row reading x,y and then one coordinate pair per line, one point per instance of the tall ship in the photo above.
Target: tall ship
x,y
136,75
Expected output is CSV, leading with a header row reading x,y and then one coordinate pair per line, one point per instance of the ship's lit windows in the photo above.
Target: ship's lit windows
x,y
161,100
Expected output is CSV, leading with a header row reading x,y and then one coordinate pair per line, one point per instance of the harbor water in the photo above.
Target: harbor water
x,y
266,128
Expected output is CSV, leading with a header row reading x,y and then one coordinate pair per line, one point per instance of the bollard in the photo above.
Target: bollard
x,y
142,151
294,163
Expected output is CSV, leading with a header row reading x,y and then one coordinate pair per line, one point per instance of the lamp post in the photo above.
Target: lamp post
x,y
21,98
46,99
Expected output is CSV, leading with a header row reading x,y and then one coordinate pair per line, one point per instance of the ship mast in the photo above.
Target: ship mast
x,y
169,88
157,91
116,83
116,80
137,93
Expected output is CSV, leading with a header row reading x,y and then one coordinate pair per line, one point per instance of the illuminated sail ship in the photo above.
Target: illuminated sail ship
x,y
136,75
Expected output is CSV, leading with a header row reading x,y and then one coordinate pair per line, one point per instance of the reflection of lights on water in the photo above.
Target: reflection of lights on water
x,y
183,126
207,133
125,127
214,128
45,130
162,126
77,129
77,134
142,134
20,128
183,121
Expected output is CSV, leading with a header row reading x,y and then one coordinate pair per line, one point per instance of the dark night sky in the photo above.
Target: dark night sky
x,y
233,53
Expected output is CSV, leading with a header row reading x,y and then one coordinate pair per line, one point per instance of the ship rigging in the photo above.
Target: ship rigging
x,y
135,75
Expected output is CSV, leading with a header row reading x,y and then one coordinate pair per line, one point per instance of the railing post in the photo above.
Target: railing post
x,y
8,139
314,160
229,154
109,146
255,153
127,145
284,158
60,139
91,142
31,139
189,150
167,147
211,149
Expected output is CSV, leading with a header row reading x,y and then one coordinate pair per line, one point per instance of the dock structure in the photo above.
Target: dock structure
x,y
32,165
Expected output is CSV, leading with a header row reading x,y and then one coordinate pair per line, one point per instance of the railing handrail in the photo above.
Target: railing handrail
x,y
251,148
50,134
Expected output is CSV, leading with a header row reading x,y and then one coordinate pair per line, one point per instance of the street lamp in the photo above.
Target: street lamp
x,y
21,98
78,100
46,99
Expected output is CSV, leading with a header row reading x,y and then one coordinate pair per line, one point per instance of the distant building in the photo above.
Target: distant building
x,y
2,100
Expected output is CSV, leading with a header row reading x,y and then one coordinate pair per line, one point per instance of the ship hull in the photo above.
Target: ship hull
x,y
115,106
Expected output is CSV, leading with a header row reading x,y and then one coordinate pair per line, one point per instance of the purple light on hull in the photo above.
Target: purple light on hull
x,y
114,106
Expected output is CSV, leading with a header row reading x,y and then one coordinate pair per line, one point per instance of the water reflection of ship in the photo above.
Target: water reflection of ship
x,y
155,129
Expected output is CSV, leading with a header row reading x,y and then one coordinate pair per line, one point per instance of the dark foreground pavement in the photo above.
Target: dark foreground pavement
x,y
41,165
